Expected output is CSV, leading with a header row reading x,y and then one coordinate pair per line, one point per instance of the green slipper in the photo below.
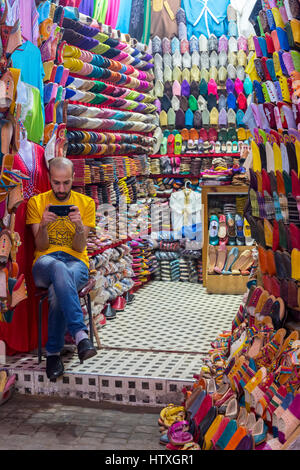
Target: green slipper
x,y
164,146
178,144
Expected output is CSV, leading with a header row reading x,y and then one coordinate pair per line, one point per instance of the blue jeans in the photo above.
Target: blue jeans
x,y
64,276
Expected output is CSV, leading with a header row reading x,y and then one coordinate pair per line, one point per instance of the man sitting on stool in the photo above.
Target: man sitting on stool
x,y
61,261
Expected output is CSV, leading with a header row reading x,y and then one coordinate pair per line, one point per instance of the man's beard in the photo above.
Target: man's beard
x,y
62,196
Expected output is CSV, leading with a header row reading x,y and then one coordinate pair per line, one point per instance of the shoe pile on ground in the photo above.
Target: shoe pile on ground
x,y
246,396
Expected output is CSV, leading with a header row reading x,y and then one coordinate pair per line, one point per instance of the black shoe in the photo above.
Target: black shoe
x,y
109,312
85,350
129,298
54,367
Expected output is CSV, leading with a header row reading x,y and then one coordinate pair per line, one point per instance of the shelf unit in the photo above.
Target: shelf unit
x,y
190,176
197,155
219,191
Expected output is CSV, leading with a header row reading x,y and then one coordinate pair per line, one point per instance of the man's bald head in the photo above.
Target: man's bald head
x,y
61,172
61,163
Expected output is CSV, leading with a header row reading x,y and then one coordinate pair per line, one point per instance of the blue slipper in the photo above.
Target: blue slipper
x,y
213,230
283,39
263,45
231,258
239,222
258,91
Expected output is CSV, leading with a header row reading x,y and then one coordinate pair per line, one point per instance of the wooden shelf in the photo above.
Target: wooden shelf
x,y
219,191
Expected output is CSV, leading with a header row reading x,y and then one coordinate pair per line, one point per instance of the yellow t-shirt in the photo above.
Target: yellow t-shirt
x,y
61,232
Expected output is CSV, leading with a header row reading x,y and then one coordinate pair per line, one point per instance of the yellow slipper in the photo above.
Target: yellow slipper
x,y
277,157
268,230
295,260
3,380
256,156
207,445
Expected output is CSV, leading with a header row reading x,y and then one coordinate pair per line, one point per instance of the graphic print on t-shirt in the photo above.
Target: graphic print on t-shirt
x,y
61,232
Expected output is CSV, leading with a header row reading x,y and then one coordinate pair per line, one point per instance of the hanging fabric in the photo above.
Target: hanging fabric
x,y
186,214
136,25
112,13
147,21
124,16
86,7
163,18
100,10
206,17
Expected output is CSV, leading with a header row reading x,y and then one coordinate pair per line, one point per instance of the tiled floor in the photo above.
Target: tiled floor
x,y
159,341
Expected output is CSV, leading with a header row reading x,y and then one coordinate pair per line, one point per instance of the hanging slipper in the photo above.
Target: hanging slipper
x,y
5,245
3,283
15,198
19,291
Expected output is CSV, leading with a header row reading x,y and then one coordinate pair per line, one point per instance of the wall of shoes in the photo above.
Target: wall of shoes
x,y
274,210
203,93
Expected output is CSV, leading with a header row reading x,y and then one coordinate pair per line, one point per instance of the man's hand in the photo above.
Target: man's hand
x,y
48,217
75,218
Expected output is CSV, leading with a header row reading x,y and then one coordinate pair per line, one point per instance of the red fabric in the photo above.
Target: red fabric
x,y
70,3
21,334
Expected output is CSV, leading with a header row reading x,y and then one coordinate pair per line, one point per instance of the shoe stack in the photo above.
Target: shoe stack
x,y
7,385
246,397
188,270
105,143
170,270
113,272
144,263
200,271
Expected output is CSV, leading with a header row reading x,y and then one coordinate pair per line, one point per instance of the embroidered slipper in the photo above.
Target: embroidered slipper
x,y
3,380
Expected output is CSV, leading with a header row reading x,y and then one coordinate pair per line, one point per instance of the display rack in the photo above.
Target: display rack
x,y
218,191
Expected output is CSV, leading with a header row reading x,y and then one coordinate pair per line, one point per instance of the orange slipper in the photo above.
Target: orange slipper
x,y
271,263
236,438
262,256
